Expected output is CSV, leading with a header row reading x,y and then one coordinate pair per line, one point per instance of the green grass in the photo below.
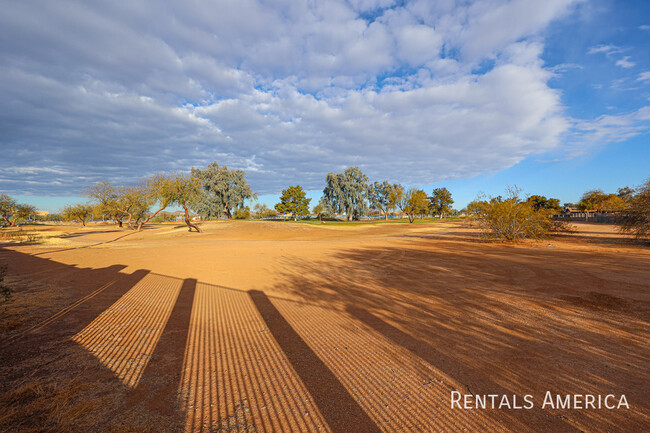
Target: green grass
x,y
335,222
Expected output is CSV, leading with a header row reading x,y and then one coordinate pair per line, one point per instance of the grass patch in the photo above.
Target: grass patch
x,y
336,222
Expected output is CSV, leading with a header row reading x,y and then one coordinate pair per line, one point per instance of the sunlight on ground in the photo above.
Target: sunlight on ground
x,y
124,336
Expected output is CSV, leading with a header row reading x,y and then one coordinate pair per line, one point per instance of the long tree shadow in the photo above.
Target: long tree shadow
x,y
503,320
188,355
342,412
157,349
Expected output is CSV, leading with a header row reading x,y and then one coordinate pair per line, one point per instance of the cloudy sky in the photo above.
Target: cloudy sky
x,y
552,95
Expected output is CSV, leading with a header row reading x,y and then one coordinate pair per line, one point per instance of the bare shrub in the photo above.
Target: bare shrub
x,y
512,219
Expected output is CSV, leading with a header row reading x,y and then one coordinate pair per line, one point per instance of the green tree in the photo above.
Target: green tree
x,y
293,201
222,191
134,203
635,218
440,201
379,195
597,200
319,210
11,211
541,202
78,212
105,197
626,193
347,193
397,197
174,189
417,203
243,213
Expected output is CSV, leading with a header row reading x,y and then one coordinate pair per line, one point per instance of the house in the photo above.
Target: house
x,y
575,214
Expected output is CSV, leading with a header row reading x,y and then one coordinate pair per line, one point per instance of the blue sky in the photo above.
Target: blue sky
x,y
553,96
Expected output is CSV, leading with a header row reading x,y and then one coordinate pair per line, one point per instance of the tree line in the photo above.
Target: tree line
x,y
218,191
351,194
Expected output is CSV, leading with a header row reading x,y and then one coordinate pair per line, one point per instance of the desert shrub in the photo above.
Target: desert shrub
x,y
635,219
243,214
512,219
5,291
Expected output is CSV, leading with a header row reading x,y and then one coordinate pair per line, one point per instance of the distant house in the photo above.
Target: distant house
x,y
575,214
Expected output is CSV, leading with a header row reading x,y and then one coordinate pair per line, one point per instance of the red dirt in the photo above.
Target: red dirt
x,y
269,327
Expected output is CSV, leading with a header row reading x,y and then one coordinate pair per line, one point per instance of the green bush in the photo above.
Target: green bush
x,y
512,219
243,214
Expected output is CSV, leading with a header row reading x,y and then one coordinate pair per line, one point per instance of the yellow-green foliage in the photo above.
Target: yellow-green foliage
x,y
636,218
512,219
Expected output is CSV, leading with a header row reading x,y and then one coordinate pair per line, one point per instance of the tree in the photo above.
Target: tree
x,y
347,193
417,203
597,200
397,197
157,190
179,189
626,193
261,210
11,211
293,201
221,191
82,212
379,195
441,201
319,210
105,196
243,213
541,202
174,189
635,219
134,203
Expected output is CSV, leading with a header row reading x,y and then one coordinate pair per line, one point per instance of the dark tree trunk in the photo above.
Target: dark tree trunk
x,y
119,223
187,219
150,217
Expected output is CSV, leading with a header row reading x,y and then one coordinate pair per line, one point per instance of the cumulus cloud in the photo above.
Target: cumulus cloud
x,y
289,91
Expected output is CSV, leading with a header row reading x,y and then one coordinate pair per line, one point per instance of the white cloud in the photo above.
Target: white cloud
x,y
288,91
605,49
608,129
625,62
644,76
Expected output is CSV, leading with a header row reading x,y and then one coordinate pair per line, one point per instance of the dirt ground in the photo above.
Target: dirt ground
x,y
282,327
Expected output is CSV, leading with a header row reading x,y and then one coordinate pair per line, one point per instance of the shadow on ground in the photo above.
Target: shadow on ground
x,y
379,341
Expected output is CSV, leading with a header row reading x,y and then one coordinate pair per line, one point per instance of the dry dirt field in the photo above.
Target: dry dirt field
x,y
282,327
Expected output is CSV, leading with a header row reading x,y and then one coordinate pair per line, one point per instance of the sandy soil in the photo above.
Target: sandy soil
x,y
282,327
